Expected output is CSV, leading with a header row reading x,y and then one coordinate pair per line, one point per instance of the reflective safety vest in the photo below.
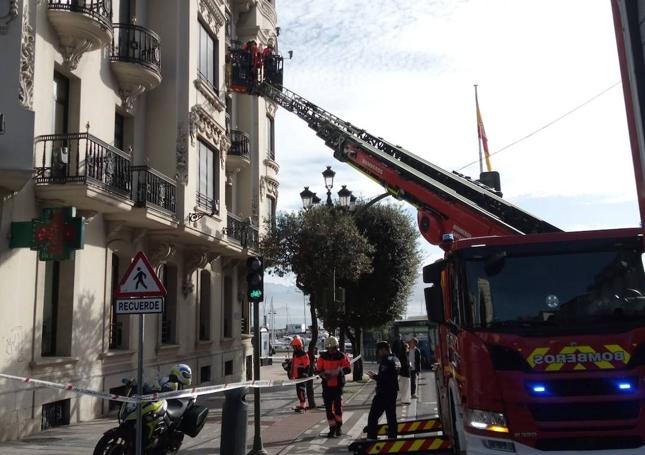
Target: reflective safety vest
x,y
300,365
333,368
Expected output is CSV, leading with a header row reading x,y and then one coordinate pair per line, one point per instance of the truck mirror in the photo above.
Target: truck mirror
x,y
434,304
432,272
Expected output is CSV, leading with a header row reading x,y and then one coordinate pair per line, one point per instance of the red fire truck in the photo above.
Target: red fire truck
x,y
542,332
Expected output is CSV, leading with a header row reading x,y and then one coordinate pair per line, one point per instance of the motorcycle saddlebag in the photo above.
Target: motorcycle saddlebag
x,y
193,420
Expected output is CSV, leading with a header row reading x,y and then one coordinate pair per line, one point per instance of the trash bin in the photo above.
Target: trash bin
x,y
235,413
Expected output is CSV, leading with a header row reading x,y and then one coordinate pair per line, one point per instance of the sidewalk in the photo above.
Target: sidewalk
x,y
283,431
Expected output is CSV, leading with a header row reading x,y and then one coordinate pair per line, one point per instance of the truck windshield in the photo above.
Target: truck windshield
x,y
568,292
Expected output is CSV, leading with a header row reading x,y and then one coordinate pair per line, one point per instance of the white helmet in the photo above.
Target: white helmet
x,y
182,373
331,342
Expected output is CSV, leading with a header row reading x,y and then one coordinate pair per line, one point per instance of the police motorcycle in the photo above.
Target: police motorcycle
x,y
165,422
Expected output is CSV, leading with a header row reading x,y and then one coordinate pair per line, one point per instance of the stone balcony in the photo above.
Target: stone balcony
x,y
82,26
135,61
81,170
239,154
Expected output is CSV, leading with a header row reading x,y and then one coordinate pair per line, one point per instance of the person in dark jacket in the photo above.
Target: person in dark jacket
x,y
332,366
387,388
414,357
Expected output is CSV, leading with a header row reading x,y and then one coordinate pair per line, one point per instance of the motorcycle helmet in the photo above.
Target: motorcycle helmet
x,y
182,374
297,343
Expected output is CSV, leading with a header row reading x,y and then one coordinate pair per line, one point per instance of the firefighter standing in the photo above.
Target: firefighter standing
x,y
387,388
300,368
332,366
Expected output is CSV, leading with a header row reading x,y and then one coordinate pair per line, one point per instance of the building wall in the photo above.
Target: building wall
x,y
194,248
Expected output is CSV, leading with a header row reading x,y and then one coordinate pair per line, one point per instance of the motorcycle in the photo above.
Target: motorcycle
x,y
165,422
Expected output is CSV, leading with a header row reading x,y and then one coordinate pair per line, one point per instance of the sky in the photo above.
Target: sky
x,y
407,74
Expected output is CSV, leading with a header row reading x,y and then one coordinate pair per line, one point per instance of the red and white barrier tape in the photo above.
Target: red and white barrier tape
x,y
70,388
194,392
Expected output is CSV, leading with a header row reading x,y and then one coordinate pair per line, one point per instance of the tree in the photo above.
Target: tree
x,y
317,246
381,296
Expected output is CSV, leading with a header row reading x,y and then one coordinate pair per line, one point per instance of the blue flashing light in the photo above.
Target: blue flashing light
x,y
624,386
539,388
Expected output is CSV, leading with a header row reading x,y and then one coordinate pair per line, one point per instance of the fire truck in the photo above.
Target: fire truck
x,y
542,332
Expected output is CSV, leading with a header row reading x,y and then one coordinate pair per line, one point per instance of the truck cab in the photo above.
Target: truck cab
x,y
542,342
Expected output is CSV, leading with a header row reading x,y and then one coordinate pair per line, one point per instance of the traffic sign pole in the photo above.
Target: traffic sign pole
x,y
140,388
140,292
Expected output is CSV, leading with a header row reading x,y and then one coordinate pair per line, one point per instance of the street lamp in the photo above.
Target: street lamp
x,y
307,198
328,175
344,196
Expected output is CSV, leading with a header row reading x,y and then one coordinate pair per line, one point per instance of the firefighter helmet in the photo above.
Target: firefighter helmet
x,y
297,343
331,342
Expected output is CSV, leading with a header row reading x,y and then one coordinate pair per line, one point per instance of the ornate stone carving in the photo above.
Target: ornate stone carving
x,y
129,96
26,81
209,94
272,164
210,12
203,123
160,252
271,108
268,11
181,154
73,49
194,260
10,15
269,186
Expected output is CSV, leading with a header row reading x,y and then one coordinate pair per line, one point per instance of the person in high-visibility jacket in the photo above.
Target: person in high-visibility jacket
x,y
332,366
300,369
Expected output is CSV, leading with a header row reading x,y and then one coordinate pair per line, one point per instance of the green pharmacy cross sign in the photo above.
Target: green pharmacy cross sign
x,y
56,234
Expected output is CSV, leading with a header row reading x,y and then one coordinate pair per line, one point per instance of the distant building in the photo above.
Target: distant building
x,y
296,328
120,109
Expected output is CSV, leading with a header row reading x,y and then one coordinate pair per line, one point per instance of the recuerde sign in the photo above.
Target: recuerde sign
x,y
139,306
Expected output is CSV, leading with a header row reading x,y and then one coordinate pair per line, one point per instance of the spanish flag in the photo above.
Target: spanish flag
x,y
481,132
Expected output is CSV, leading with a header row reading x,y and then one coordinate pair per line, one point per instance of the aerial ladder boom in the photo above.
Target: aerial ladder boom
x,y
447,202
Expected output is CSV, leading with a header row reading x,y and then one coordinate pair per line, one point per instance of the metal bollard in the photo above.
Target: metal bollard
x,y
235,414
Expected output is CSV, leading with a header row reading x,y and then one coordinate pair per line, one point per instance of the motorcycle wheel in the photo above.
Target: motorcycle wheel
x,y
114,442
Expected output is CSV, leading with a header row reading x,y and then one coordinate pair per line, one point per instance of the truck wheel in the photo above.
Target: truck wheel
x,y
456,446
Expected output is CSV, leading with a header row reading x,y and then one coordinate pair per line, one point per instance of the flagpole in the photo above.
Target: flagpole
x,y
479,140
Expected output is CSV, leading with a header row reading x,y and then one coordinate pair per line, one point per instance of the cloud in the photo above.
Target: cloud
x,y
406,74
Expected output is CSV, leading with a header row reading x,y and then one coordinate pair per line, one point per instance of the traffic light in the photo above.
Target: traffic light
x,y
255,278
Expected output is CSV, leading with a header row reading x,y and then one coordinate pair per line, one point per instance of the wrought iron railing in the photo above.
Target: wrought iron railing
x,y
101,10
116,335
240,144
166,331
82,158
154,188
207,204
253,238
135,44
235,228
242,232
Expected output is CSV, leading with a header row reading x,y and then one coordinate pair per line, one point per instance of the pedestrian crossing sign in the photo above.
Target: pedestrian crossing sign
x,y
140,280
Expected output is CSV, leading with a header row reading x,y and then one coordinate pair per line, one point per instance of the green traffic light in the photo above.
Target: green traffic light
x,y
255,294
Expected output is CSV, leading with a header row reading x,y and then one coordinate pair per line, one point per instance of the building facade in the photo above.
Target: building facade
x,y
120,110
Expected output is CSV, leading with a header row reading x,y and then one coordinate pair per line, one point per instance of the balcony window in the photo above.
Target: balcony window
x,y
119,130
208,57
57,309
204,305
228,307
270,138
169,315
208,178
269,216
60,118
118,323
